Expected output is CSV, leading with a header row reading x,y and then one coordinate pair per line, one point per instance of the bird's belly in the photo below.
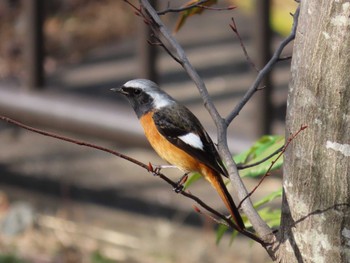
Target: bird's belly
x,y
165,149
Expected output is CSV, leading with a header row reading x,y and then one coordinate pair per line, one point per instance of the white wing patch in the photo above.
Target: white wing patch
x,y
192,140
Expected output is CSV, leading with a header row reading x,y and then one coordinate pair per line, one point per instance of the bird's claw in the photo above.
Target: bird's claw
x,y
180,183
178,188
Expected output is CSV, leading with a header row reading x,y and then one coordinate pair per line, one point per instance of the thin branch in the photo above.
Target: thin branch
x,y
81,143
159,27
285,58
242,167
227,8
149,168
228,222
211,217
199,4
282,151
184,8
262,73
175,185
147,21
133,6
167,50
235,30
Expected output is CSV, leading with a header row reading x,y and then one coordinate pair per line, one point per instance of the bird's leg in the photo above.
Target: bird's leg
x,y
179,184
155,168
159,167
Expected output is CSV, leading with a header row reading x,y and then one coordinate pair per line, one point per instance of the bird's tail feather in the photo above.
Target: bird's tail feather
x,y
219,185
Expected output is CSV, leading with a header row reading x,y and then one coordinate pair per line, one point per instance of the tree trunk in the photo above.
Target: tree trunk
x,y
315,223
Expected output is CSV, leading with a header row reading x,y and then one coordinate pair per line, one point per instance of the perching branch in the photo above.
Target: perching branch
x,y
225,219
149,168
81,143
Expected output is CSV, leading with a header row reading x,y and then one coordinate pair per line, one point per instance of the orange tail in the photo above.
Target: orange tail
x,y
217,182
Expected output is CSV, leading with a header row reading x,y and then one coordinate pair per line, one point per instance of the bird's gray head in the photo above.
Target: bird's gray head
x,y
144,95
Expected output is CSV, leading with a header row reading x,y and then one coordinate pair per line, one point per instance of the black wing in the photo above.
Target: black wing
x,y
175,121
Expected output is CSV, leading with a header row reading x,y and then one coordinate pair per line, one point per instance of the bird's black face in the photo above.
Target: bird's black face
x,y
138,98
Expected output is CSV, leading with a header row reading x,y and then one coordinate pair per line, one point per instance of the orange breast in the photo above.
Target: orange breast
x,y
167,150
187,163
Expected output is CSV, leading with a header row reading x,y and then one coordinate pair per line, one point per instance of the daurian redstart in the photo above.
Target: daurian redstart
x,y
177,136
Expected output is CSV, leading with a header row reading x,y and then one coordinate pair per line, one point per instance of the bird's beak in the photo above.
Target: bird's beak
x,y
119,90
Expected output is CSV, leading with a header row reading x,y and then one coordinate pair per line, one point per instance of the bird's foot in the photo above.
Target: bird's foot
x,y
156,168
180,183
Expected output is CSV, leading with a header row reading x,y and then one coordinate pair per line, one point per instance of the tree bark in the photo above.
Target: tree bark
x,y
315,224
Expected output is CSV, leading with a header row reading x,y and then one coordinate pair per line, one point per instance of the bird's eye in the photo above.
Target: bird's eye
x,y
136,91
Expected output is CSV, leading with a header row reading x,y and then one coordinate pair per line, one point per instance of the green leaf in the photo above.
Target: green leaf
x,y
233,236
261,149
222,229
191,179
271,217
220,232
190,12
97,257
268,198
11,258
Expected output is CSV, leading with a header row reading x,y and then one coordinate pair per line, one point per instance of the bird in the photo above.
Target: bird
x,y
178,137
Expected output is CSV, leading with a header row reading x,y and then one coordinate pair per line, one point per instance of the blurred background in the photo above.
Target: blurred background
x,y
60,202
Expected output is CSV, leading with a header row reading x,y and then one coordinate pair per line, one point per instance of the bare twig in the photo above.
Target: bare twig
x,y
225,219
147,21
159,27
241,167
199,4
161,44
211,217
285,58
262,73
149,168
227,222
184,8
282,151
227,8
235,30
81,143
133,6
